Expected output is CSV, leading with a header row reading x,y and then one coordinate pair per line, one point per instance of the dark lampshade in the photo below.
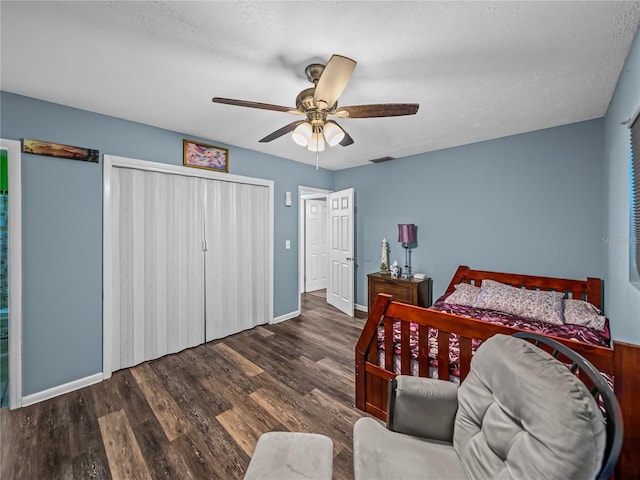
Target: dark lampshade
x,y
405,232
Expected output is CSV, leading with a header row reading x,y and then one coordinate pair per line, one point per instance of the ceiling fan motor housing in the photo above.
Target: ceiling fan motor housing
x,y
304,100
313,72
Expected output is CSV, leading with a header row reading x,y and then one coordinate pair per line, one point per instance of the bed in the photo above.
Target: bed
x,y
440,341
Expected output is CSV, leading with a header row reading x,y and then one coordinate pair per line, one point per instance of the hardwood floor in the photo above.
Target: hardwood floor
x,y
197,414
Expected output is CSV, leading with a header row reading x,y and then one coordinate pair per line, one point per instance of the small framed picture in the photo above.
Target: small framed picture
x,y
201,155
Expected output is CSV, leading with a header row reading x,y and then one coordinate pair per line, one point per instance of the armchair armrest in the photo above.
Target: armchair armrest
x,y
423,407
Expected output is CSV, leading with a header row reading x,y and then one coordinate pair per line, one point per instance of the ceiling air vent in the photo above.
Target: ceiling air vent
x,y
381,159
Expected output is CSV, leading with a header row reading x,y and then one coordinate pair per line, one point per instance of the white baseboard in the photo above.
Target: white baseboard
x,y
286,316
61,389
361,308
294,314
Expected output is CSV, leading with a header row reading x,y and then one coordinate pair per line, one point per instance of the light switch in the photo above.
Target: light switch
x,y
287,244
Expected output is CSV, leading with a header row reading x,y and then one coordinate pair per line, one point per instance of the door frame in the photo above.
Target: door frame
x,y
110,161
14,167
321,193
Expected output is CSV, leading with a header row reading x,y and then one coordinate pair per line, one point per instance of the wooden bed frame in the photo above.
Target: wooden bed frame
x,y
622,361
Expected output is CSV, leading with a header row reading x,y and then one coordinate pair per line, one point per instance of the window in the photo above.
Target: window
x,y
634,250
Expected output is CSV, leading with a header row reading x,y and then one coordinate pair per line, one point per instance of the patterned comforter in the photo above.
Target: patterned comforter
x,y
576,332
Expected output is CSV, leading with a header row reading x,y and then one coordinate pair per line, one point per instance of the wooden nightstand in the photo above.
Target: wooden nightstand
x,y
412,290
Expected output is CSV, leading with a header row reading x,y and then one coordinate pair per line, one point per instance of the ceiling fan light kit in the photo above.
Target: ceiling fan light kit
x,y
311,137
302,134
316,144
320,102
333,133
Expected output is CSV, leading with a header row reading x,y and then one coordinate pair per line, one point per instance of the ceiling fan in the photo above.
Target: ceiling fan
x,y
320,103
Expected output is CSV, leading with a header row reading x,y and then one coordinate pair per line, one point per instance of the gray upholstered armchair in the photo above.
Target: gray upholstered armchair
x,y
520,414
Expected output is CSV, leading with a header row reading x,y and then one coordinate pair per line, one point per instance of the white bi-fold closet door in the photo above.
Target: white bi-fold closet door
x,y
237,272
189,260
158,265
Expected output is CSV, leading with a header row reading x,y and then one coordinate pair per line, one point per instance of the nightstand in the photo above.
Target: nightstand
x,y
406,290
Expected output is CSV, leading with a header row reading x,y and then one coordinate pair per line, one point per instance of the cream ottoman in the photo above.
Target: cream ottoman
x,y
291,456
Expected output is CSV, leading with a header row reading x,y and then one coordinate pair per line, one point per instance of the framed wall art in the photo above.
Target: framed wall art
x,y
201,155
38,147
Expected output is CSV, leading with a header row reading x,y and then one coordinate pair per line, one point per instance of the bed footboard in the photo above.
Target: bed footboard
x,y
372,379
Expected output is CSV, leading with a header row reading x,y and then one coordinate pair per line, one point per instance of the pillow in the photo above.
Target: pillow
x,y
579,312
465,294
535,304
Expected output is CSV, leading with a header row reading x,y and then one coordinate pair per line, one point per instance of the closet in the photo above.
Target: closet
x,y
188,258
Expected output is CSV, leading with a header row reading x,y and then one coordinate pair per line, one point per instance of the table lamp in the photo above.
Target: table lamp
x,y
406,237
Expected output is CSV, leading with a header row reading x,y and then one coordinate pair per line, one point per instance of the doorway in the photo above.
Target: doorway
x,y
4,278
10,274
312,250
316,258
337,217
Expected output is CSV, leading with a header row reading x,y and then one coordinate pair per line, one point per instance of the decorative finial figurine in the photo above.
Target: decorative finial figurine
x,y
384,262
395,270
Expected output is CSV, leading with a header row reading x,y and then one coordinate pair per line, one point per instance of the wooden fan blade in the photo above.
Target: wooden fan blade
x,y
262,106
347,140
278,133
379,110
333,81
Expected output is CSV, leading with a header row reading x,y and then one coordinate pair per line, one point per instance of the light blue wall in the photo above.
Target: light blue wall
x,y
529,203
623,299
62,228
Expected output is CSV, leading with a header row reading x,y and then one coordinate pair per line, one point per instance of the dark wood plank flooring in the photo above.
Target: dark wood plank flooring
x,y
197,414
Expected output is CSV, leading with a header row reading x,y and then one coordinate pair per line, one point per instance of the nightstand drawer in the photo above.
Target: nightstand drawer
x,y
400,292
405,290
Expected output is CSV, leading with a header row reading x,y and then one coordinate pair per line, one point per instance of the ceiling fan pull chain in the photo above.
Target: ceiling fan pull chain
x,y
317,158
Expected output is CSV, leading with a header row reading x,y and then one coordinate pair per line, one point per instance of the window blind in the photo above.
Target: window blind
x,y
635,187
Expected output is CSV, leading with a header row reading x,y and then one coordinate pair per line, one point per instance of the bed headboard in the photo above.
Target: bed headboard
x,y
589,289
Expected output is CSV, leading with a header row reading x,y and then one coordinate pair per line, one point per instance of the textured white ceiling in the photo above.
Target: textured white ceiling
x,y
479,70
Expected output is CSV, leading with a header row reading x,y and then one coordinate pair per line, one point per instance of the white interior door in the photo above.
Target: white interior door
x,y
316,258
341,259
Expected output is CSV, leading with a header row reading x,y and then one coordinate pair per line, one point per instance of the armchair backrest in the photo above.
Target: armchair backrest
x,y
524,414
601,392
